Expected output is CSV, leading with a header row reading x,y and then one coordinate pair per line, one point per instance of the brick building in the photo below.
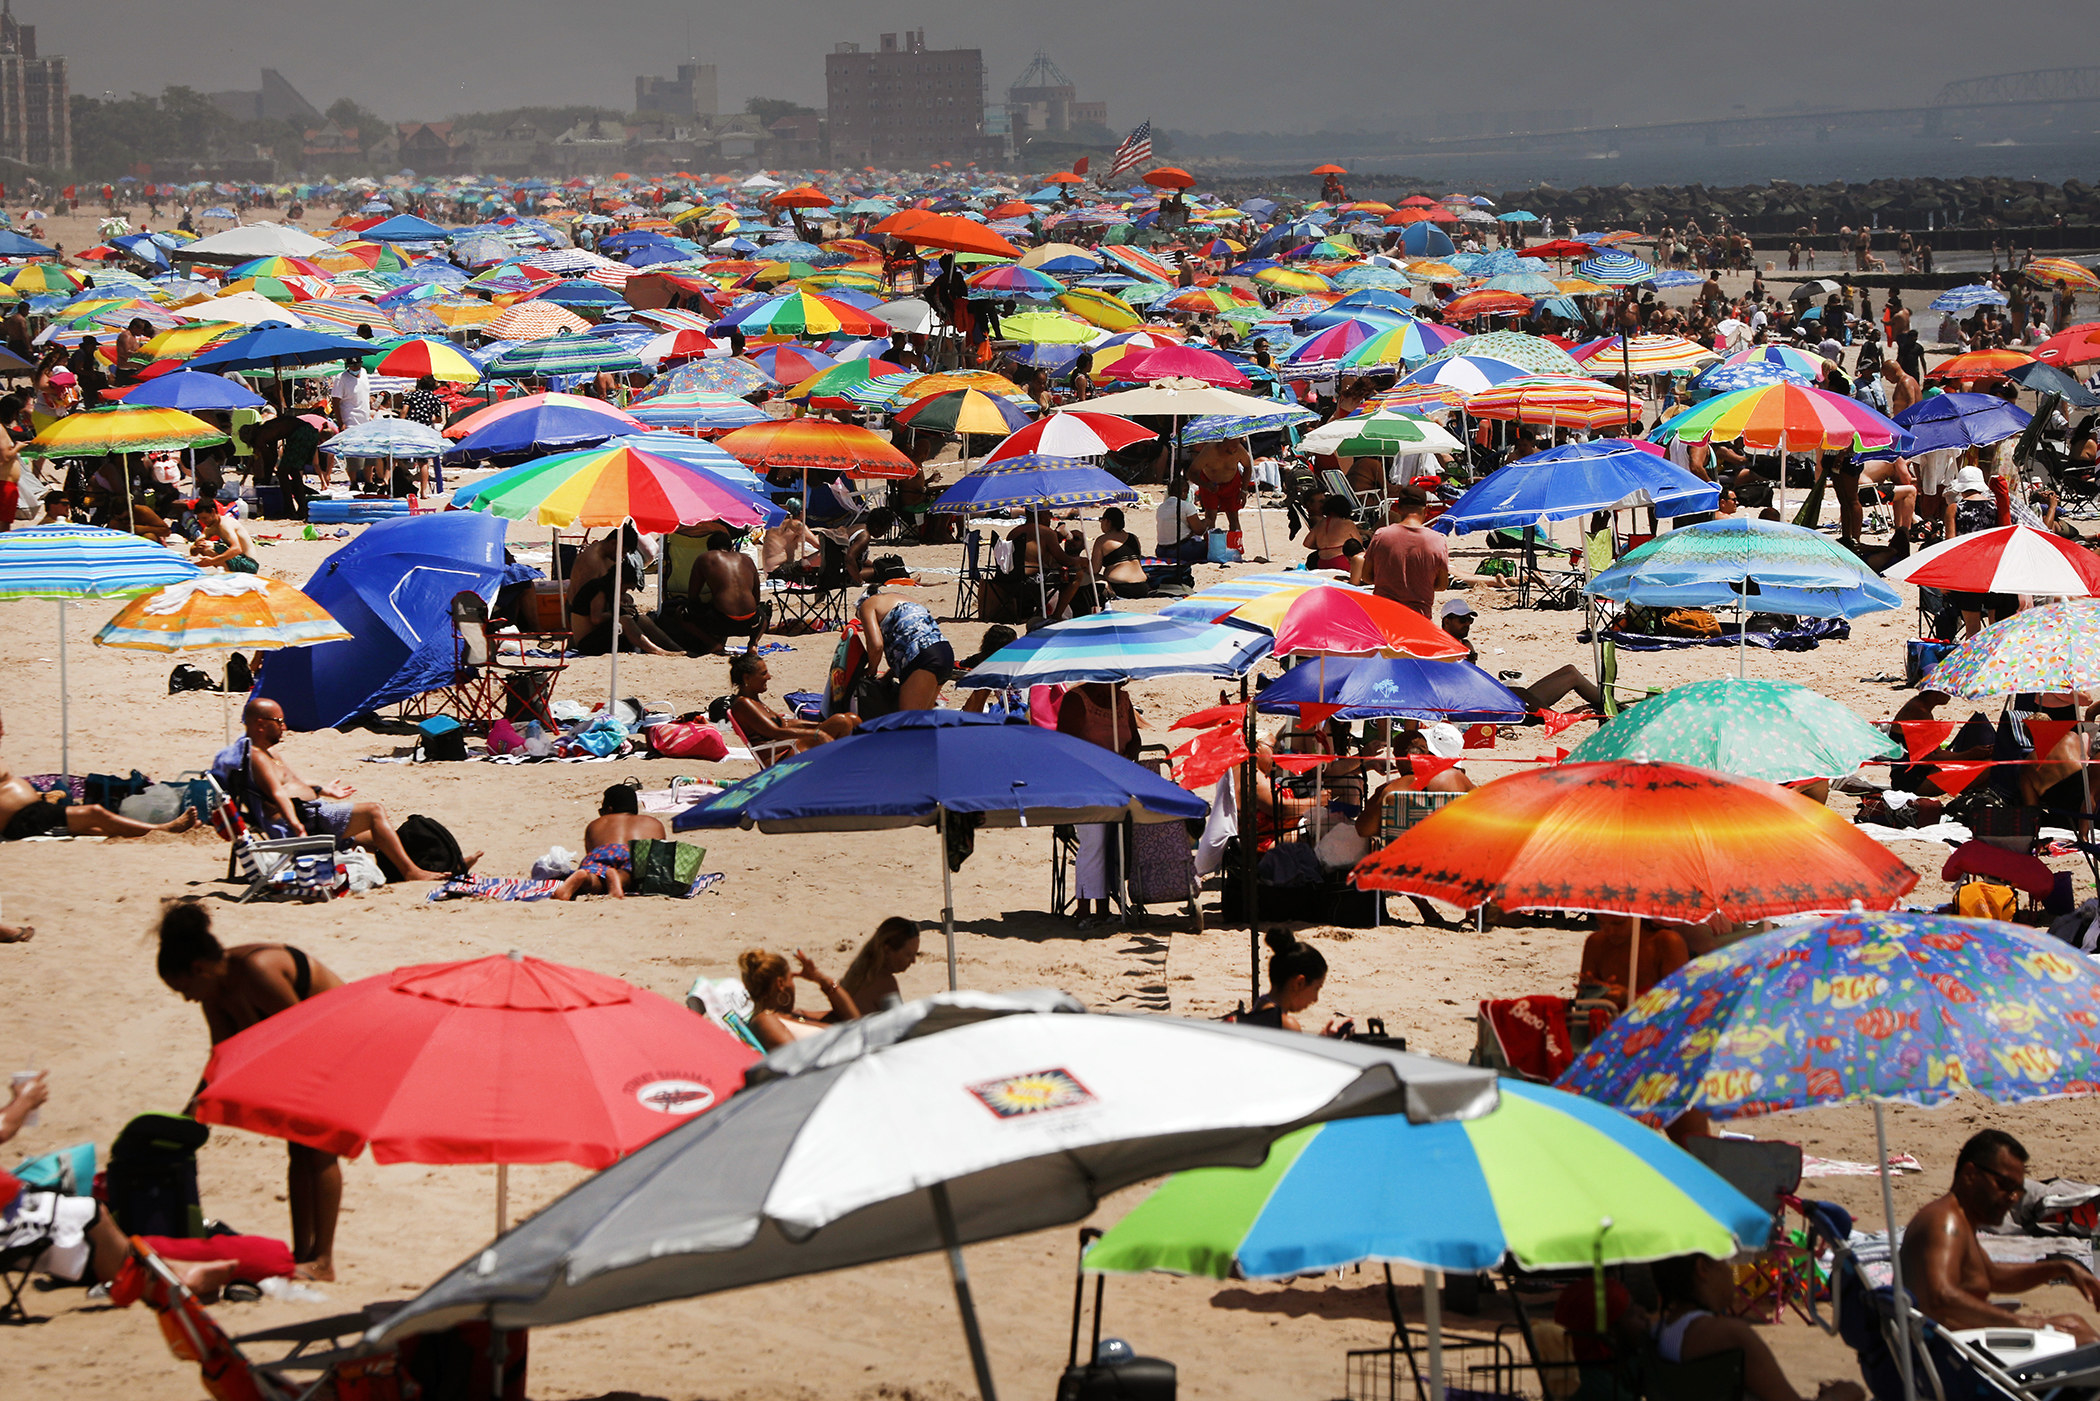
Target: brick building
x,y
36,117
905,104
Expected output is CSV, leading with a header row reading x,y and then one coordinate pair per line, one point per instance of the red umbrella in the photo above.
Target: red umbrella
x,y
1178,362
493,1060
1321,622
2074,345
2007,559
1073,433
1328,169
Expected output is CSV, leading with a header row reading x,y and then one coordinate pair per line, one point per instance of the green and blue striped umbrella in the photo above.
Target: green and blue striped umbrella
x,y
65,562
1553,1180
569,354
1796,570
1120,647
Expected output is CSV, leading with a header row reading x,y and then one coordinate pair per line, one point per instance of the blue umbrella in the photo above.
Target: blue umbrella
x,y
191,390
274,347
1749,374
1794,570
1675,277
1224,427
1120,647
1034,479
405,228
1574,480
916,767
14,245
543,428
392,587
1962,421
1402,688
1426,240
1968,298
2044,378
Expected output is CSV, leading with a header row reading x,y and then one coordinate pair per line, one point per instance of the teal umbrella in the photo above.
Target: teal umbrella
x,y
1775,730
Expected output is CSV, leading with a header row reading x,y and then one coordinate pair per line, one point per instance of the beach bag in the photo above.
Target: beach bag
x,y
666,867
687,739
1691,622
602,737
189,678
1986,899
429,844
151,1186
441,739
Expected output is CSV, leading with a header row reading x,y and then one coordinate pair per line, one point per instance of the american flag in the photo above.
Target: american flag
x,y
1135,151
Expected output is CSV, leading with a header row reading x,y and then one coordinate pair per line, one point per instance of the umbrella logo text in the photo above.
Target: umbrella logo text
x,y
1037,1092
679,1097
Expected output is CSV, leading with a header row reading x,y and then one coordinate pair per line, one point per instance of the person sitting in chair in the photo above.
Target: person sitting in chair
x,y
303,808
1695,1292
792,551
759,723
591,621
608,840
1944,1264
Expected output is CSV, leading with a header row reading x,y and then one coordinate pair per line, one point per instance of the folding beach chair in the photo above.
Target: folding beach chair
x,y
969,587
495,673
263,853
17,1268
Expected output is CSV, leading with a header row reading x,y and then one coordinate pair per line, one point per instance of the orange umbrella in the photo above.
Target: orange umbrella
x,y
1064,177
817,444
1488,301
952,232
1980,365
900,221
1170,177
801,197
1329,169
1662,840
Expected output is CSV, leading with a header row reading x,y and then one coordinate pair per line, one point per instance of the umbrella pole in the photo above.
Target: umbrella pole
x,y
1633,963
940,822
1433,1325
502,1197
65,757
1888,1211
1742,640
612,686
944,1217
1042,564
1245,821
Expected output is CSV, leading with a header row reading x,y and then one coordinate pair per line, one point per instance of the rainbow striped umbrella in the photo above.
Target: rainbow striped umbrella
x,y
102,432
1013,280
441,360
2062,271
791,364
1406,345
1786,418
219,612
182,342
286,289
1419,398
802,314
610,486
1559,400
1644,354
1320,354
345,311
278,265
1801,362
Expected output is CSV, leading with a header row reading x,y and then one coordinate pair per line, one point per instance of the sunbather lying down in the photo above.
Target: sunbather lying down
x,y
609,864
25,812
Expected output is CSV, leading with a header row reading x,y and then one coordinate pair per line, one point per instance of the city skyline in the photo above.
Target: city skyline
x,y
1217,66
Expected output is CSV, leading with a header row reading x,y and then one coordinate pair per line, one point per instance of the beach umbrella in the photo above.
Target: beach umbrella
x,y
2007,559
923,768
1957,422
1641,355
1803,362
1072,433
1405,345
698,452
817,444
191,391
347,312
800,313
2074,345
1178,362
2045,379
1557,400
715,375
1534,355
678,345
535,424
1661,841
1967,298
1060,258
1778,731
2061,271
1784,418
534,320
1018,1112
1726,378
220,613
1575,479
1915,1008
1980,365
1616,269
1047,328
1382,433
404,228
1346,623
563,354
1103,309
1031,480
965,411
124,429
441,360
1487,301
2055,647
792,364
488,1060
697,409
1395,688
1119,648
64,563
946,231
388,438
1215,600
1465,375
1323,352
1011,280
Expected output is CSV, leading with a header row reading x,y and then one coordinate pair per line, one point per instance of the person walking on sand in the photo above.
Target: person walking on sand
x,y
236,988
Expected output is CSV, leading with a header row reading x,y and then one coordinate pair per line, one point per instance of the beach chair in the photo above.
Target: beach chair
x,y
1366,511
18,1266
1716,1377
263,852
970,585
820,604
1402,812
495,674
768,752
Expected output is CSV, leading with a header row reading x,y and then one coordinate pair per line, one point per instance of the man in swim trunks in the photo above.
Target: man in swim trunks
x,y
305,808
792,552
1223,473
609,841
25,812
721,603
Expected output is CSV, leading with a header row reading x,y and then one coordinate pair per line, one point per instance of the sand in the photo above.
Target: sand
x,y
83,1000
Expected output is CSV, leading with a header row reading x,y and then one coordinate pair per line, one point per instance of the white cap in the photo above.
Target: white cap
x,y
1970,479
1455,608
1444,740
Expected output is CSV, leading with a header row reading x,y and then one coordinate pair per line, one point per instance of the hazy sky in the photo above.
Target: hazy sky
x,y
1200,65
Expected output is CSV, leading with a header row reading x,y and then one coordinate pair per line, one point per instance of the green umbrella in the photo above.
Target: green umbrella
x,y
1386,433
1775,730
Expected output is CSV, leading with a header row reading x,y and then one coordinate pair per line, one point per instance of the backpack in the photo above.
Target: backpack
x,y
429,844
189,678
151,1185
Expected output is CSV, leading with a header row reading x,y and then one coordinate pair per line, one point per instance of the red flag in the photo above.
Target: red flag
x,y
1921,737
1428,766
2047,734
1953,778
1207,757
1312,715
1079,166
1300,763
1215,715
1480,736
1554,721
69,191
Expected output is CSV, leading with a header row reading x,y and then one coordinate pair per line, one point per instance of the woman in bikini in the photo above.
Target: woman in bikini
x,y
237,988
1331,536
1116,555
771,984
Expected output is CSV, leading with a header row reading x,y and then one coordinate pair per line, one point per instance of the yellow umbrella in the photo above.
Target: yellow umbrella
x,y
102,432
1111,313
181,342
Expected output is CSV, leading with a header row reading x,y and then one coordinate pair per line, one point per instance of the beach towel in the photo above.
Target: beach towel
x,y
494,888
1803,638
1533,1032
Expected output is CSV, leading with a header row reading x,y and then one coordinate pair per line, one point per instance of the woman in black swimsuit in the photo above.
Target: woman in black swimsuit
x,y
237,988
1116,555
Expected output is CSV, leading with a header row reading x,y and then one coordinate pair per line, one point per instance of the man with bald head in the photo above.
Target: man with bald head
x,y
306,809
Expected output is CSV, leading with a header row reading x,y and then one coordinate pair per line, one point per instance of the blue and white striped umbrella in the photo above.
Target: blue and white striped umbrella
x,y
388,437
1032,480
1968,298
1120,647
697,408
1616,269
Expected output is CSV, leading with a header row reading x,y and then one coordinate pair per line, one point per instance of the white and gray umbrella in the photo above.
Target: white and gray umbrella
x,y
963,1117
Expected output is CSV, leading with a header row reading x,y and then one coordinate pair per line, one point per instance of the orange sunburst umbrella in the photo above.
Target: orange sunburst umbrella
x,y
1665,841
1978,365
1487,301
817,444
1563,401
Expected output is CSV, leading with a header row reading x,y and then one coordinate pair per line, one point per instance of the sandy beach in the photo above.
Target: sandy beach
x,y
83,1000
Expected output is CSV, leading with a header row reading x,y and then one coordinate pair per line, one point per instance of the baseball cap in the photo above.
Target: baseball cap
x,y
1455,608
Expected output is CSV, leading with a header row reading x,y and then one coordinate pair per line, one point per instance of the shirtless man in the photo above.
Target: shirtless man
x,y
10,463
223,544
1945,1268
25,812
721,603
1223,472
792,550
131,351
609,841
303,806
1903,391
